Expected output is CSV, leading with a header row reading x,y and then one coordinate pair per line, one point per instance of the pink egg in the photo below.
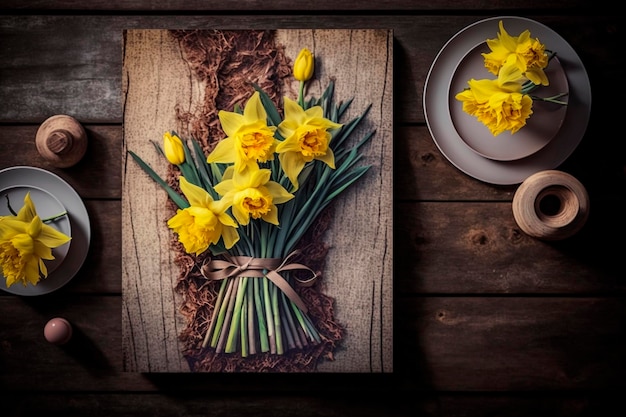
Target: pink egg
x,y
58,331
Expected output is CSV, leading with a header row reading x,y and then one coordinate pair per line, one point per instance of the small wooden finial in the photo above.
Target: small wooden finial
x,y
61,140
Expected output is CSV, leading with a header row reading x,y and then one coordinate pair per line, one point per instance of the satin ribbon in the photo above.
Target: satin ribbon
x,y
247,266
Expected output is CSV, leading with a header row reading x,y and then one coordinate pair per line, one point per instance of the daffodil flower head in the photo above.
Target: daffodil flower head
x,y
307,137
204,222
499,103
173,148
249,139
529,55
25,242
304,65
252,195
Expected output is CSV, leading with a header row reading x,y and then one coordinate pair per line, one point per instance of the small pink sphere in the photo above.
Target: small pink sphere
x,y
58,331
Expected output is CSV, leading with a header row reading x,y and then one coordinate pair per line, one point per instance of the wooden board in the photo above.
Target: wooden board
x,y
358,272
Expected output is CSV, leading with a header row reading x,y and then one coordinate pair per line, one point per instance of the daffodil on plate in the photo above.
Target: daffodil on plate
x,y
505,103
251,200
27,240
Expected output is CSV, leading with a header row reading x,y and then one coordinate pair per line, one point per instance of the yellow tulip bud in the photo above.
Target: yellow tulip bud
x,y
173,149
304,65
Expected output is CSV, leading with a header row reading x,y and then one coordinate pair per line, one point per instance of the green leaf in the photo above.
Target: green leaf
x,y
188,168
176,198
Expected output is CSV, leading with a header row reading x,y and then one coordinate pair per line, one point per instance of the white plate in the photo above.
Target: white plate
x,y
442,128
540,129
51,195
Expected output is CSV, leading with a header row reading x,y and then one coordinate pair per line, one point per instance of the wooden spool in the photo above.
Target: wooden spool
x,y
61,140
551,205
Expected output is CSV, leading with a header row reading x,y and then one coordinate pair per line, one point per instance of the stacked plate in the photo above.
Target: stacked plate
x,y
51,196
552,132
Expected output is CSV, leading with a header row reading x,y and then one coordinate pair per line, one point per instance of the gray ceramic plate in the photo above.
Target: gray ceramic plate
x,y
549,151
51,195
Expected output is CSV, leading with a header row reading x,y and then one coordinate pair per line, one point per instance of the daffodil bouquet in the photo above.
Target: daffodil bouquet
x,y
251,200
26,242
505,103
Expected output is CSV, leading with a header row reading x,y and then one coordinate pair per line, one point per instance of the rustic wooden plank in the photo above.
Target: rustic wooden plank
x,y
97,175
448,247
446,344
146,250
42,76
421,171
339,404
286,5
504,260
102,271
509,344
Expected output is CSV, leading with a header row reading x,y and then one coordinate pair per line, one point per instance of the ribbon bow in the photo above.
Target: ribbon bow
x,y
247,266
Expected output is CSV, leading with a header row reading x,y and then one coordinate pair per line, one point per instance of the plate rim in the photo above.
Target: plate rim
x,y
80,225
515,171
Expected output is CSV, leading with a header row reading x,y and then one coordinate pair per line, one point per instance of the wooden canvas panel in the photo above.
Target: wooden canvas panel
x,y
358,271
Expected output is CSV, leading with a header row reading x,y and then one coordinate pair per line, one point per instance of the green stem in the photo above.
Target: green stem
x,y
271,328
301,95
259,303
293,338
553,99
216,309
277,322
219,337
233,334
55,217
243,325
252,333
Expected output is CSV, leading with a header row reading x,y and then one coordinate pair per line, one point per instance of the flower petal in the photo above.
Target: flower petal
x,y
230,121
197,196
224,152
292,164
27,212
278,192
254,110
51,237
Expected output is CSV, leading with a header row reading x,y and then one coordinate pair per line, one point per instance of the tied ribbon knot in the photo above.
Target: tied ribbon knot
x,y
248,266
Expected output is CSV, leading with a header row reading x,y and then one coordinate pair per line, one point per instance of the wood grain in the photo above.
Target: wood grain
x,y
43,71
447,344
320,5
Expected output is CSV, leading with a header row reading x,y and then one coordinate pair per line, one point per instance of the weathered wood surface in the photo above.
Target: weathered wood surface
x,y
320,5
358,271
451,344
525,329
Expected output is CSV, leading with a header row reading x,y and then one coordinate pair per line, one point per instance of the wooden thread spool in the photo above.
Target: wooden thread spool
x,y
551,205
61,140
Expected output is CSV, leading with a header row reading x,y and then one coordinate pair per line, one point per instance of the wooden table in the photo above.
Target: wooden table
x,y
487,320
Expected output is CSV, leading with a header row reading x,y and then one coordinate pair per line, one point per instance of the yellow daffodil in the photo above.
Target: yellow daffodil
x,y
530,55
173,148
306,138
204,222
304,65
25,242
252,195
498,104
249,139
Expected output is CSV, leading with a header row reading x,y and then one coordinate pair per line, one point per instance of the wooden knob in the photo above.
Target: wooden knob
x,y
61,140
551,205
